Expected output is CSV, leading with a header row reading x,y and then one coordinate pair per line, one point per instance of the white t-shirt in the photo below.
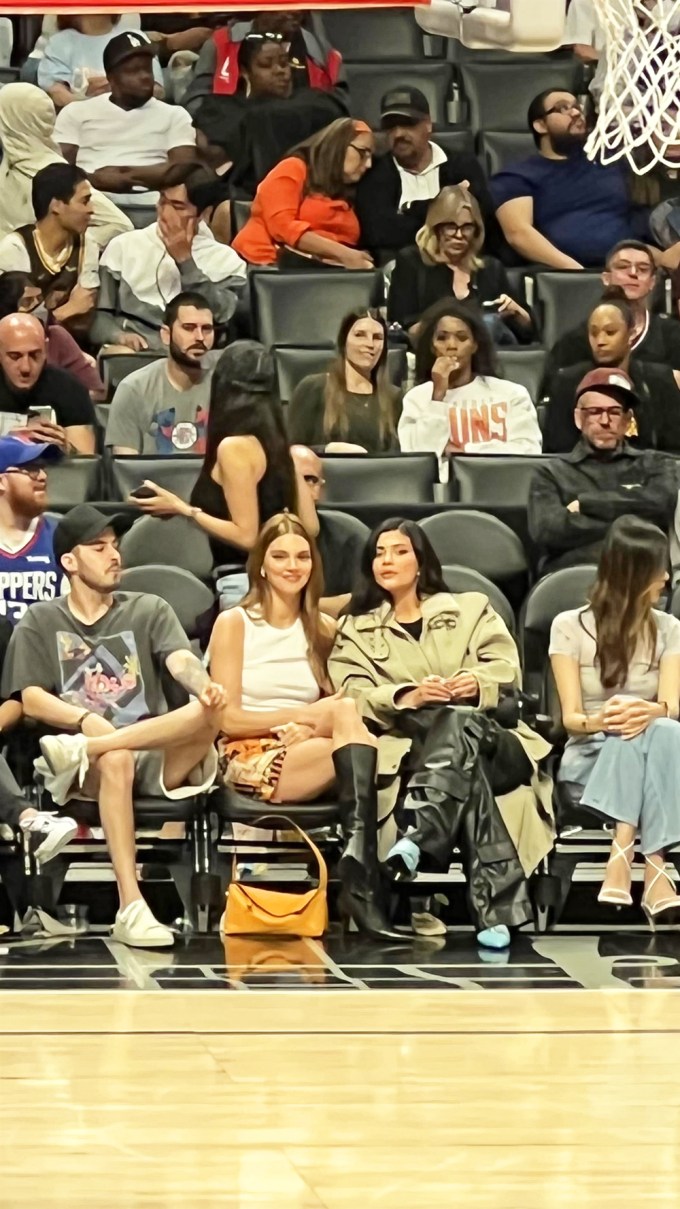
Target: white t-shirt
x,y
489,415
421,186
108,136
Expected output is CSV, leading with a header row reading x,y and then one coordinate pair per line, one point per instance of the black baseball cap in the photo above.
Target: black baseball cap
x,y
124,46
408,103
83,524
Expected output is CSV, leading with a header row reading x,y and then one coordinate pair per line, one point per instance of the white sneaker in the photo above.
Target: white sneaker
x,y
65,762
136,926
56,830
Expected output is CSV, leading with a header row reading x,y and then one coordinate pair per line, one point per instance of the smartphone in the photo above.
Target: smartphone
x,y
44,414
143,493
491,307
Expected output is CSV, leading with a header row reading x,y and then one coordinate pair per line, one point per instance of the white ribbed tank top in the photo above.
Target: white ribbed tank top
x,y
276,671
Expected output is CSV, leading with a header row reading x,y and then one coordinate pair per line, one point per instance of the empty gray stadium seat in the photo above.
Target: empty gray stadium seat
x,y
476,540
240,213
178,473
564,589
187,596
491,480
465,579
115,367
393,478
174,541
73,481
369,81
305,309
499,94
523,365
565,300
294,364
498,148
372,34
454,141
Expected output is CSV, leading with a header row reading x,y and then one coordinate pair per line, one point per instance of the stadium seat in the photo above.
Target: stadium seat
x,y
479,479
563,589
523,365
454,141
392,478
499,94
178,473
174,541
498,148
465,579
371,34
115,367
10,75
565,300
189,599
305,309
73,481
293,364
369,81
478,541
240,213
140,216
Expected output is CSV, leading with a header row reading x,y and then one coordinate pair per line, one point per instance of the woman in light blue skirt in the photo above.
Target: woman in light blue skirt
x,y
616,664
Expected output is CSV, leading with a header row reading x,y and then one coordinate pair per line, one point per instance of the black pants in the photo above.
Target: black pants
x,y
12,801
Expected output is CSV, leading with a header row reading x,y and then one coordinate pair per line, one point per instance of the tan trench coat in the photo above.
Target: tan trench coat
x,y
373,658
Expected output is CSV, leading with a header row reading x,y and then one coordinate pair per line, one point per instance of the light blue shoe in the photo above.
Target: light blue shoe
x,y
402,860
497,937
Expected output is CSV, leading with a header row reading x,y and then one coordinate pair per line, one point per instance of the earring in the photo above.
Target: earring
x,y
262,573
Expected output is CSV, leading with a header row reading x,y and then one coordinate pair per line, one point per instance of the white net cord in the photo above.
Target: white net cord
x,y
639,115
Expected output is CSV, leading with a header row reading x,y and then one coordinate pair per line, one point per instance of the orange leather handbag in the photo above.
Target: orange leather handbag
x,y
259,911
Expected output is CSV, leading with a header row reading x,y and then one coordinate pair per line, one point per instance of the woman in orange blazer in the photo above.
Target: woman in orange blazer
x,y
305,202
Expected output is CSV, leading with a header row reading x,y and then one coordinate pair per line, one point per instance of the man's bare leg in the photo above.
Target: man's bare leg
x,y
167,730
111,781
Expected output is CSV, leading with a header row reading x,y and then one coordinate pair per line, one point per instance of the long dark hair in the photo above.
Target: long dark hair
x,y
368,595
243,402
335,411
483,361
634,554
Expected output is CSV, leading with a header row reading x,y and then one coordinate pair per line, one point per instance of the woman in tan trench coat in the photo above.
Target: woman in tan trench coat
x,y
407,652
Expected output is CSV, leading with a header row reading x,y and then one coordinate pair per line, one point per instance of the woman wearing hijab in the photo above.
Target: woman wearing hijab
x,y
27,118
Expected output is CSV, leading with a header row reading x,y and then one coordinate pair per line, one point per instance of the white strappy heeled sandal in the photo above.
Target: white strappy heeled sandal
x,y
613,895
671,902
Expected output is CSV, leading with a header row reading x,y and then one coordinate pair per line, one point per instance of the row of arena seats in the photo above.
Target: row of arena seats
x,y
200,863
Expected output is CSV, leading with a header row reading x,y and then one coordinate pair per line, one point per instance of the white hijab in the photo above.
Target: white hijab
x,y
27,118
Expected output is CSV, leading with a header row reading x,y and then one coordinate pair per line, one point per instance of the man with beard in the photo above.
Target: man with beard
x,y
558,208
393,196
162,408
142,270
28,568
124,139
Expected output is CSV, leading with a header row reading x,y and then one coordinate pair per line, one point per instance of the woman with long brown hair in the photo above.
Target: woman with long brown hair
x,y
304,206
285,737
354,403
616,664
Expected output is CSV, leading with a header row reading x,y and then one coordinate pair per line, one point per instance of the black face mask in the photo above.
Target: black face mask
x,y
567,143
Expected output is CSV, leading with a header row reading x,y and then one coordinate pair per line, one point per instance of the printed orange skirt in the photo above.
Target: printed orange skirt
x,y
251,766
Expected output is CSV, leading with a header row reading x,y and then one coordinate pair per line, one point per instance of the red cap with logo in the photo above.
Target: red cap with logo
x,y
609,381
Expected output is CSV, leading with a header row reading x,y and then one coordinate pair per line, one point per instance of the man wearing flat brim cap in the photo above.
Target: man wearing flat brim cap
x,y
91,663
574,498
393,196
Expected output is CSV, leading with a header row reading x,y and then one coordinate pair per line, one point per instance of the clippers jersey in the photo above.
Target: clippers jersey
x,y
30,573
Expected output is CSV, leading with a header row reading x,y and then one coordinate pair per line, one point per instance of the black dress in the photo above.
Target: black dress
x,y
415,286
209,496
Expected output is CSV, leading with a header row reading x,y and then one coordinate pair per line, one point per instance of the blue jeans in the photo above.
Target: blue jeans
x,y
637,781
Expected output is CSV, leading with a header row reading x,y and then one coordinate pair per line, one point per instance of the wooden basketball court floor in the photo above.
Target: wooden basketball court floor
x,y
420,1081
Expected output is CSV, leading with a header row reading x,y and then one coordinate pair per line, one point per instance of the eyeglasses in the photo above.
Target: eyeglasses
x,y
564,107
599,413
366,153
314,480
466,229
32,472
624,266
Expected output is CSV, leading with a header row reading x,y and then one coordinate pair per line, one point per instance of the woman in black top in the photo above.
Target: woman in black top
x,y
657,419
248,474
446,261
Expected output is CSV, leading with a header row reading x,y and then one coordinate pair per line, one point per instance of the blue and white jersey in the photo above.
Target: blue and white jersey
x,y
30,573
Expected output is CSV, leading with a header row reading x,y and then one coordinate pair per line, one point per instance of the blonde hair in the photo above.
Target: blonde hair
x,y
448,207
257,598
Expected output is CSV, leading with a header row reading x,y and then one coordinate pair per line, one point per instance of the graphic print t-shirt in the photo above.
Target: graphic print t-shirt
x,y
112,668
150,416
30,573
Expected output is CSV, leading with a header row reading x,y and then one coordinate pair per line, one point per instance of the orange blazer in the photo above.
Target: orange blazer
x,y
281,214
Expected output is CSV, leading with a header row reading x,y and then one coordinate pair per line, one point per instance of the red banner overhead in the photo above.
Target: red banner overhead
x,y
181,6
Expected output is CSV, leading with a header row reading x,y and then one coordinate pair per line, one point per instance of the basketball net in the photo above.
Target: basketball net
x,y
639,115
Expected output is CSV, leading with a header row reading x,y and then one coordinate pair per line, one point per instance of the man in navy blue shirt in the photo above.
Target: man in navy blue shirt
x,y
558,208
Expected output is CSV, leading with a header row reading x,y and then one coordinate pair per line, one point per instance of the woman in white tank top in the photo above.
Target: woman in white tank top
x,y
285,738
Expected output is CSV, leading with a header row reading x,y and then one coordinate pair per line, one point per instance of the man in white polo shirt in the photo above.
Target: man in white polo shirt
x,y
125,139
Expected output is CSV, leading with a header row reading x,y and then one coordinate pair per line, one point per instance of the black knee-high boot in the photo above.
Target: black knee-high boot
x,y
355,770
453,804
